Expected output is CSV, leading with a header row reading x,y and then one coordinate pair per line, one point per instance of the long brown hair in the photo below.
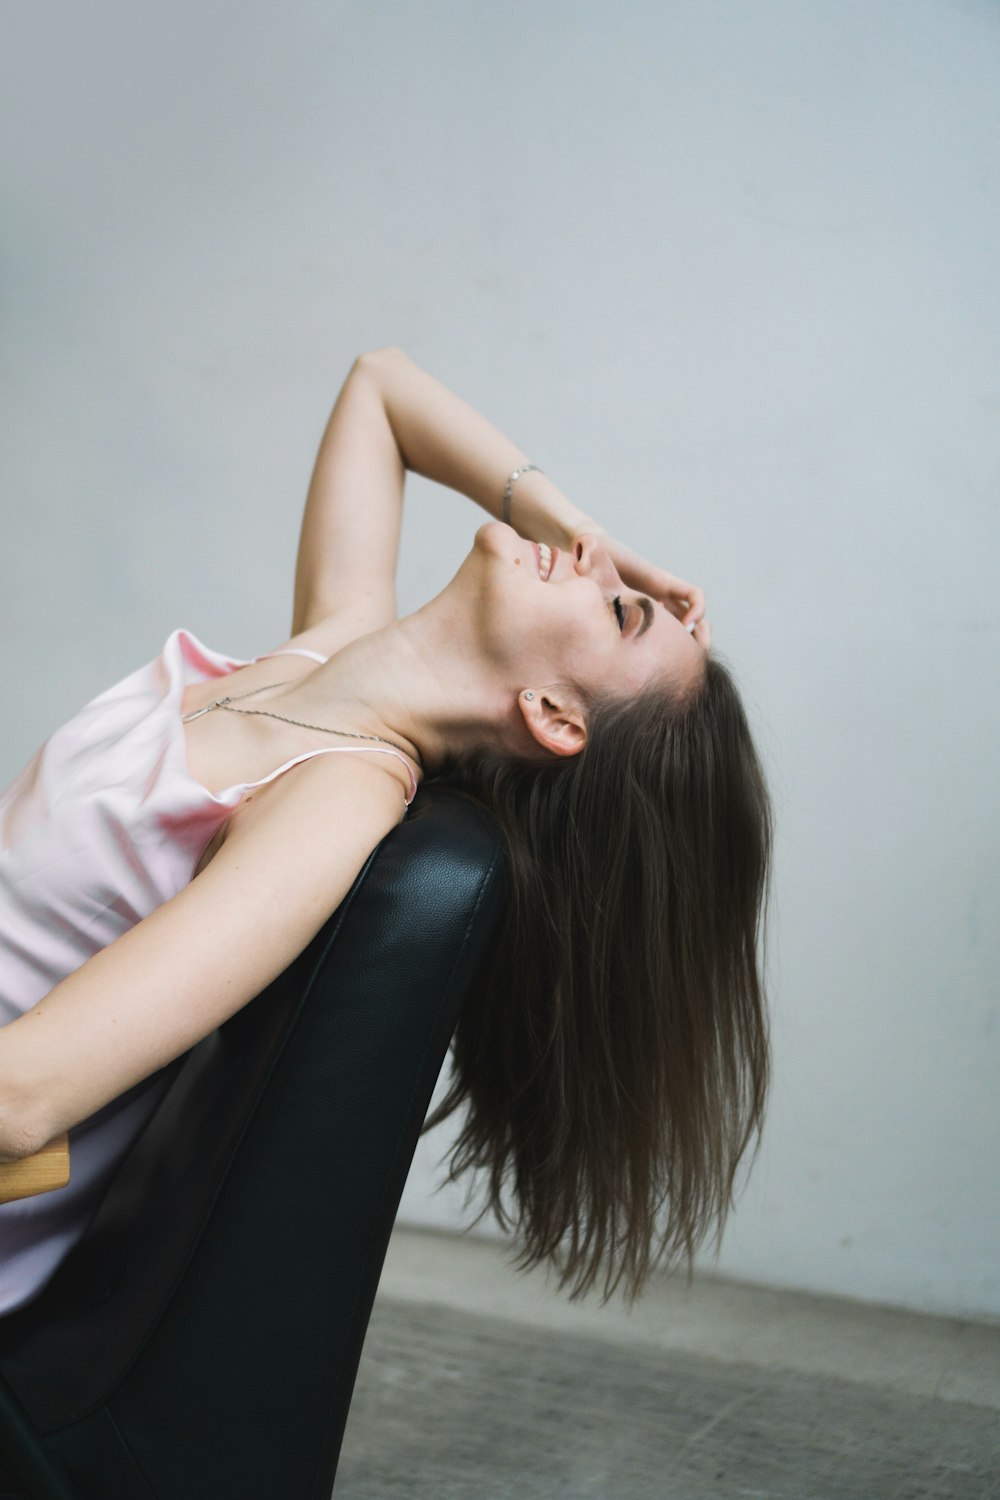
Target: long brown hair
x,y
617,1061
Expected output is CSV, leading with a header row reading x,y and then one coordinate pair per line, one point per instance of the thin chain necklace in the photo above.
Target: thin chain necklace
x,y
265,713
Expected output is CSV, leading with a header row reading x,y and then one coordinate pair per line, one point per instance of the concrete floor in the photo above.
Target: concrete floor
x,y
479,1383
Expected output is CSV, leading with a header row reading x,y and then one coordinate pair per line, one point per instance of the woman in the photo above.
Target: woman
x,y
158,869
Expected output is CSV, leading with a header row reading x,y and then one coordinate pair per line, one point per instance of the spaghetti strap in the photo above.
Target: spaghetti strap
x,y
333,750
294,651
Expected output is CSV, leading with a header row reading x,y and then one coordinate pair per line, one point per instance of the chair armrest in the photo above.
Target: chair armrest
x,y
41,1172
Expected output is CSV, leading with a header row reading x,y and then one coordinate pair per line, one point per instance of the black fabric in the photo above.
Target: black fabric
x,y
202,1340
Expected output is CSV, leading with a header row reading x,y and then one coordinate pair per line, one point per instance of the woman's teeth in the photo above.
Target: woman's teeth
x,y
545,554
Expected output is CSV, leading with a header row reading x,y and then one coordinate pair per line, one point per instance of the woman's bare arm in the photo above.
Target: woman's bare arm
x,y
443,438
391,416
289,859
349,540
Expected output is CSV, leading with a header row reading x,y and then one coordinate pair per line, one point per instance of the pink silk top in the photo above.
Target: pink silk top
x,y
103,824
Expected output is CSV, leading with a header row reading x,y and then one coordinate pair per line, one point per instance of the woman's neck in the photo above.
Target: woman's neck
x,y
415,683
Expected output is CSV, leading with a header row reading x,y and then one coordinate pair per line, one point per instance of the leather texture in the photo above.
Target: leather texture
x,y
202,1339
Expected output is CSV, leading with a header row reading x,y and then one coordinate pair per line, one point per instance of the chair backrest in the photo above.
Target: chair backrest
x,y
232,1266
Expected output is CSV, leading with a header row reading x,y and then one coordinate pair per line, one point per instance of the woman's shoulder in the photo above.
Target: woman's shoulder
x,y
351,800
327,636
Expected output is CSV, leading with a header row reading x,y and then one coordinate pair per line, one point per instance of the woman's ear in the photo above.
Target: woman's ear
x,y
555,719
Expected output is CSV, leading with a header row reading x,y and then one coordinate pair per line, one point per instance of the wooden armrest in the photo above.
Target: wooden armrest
x,y
41,1172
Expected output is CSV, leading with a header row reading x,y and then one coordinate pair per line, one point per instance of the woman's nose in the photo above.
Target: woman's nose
x,y
592,557
585,547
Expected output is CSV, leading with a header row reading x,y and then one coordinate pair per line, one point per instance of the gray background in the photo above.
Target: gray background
x,y
728,272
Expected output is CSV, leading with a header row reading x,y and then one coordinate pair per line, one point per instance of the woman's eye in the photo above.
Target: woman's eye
x,y
619,611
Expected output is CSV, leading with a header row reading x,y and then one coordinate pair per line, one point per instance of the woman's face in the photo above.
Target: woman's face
x,y
566,628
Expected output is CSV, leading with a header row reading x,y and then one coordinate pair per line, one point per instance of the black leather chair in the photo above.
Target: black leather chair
x,y
201,1341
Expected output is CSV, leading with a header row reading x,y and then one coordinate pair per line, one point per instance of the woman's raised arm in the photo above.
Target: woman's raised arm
x,y
443,438
349,540
392,416
288,860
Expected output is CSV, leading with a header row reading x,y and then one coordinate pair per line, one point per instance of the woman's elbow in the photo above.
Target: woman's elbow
x,y
387,354
20,1136
24,1128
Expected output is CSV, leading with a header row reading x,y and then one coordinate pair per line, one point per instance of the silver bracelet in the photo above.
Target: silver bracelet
x,y
510,485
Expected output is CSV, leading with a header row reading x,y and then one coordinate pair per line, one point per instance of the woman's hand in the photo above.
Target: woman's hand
x,y
684,600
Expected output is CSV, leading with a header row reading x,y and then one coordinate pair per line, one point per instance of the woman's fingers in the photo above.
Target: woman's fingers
x,y
693,599
702,633
685,600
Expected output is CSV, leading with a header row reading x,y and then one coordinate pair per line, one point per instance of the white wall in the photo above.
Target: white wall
x,y
729,273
